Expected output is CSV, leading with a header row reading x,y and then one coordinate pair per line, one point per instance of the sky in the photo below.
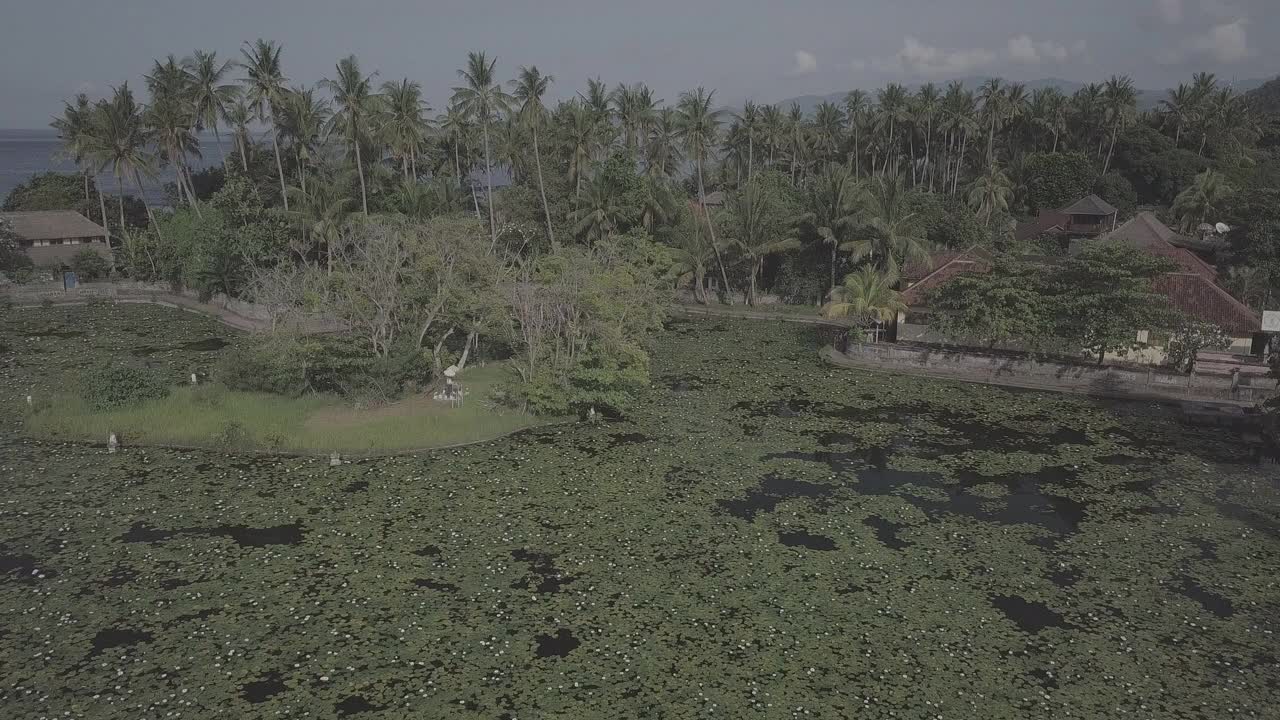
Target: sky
x,y
763,50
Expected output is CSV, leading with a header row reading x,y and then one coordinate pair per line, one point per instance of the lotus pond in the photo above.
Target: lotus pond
x,y
763,536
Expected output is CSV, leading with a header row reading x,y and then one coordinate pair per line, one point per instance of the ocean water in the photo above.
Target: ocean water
x,y
24,153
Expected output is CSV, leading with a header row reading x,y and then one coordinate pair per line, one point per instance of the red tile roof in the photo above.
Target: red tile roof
x,y
914,270
1043,223
974,259
1147,233
1198,296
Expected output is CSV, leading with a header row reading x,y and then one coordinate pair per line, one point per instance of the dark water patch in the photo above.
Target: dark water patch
x,y
1208,549
23,567
1031,616
1246,515
209,345
837,438
887,532
59,334
354,705
260,691
772,491
1045,678
433,585
206,467
801,538
197,616
558,645
850,589
120,576
1069,436
1065,577
427,551
1214,603
243,535
839,462
117,637
174,583
356,486
631,438
546,577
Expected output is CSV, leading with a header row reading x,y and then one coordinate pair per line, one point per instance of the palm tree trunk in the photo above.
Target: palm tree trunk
x,y
102,207
751,289
855,151
1115,129
911,143
244,152
711,228
137,179
120,200
488,182
542,189
217,139
275,145
364,196
404,165
413,162
751,154
85,173
1055,142
833,266
991,142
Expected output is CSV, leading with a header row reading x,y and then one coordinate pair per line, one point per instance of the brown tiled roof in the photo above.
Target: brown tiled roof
x,y
1044,222
972,260
1201,298
53,225
1089,205
1147,233
914,270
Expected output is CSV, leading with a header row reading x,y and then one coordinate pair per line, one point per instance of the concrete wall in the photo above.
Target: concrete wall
x,y
1082,376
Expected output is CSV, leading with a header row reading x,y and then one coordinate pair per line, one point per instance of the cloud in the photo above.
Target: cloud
x,y
1169,11
921,59
806,63
1226,43
1025,50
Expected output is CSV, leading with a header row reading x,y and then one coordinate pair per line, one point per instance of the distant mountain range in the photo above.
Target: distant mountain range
x,y
1147,99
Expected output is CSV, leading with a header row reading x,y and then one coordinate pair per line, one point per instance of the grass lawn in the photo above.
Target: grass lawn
x,y
52,348
212,416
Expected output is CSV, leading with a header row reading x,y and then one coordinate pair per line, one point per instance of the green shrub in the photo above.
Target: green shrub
x,y
232,435
209,395
89,265
118,386
275,366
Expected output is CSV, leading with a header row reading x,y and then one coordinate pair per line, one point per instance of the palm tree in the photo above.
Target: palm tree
x,y
892,234
76,131
750,226
265,87
598,212
749,121
635,109
928,104
799,136
893,108
692,254
211,95
119,140
773,131
834,209
699,123
320,212
529,89
403,123
1206,196
239,115
482,99
867,296
353,94
662,147
828,132
302,120
581,136
1121,101
457,130
990,194
1179,107
171,116
1049,113
855,105
995,108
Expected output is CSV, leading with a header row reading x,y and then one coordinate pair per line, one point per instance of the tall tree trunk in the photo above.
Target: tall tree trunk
x,y
711,228
85,173
364,196
1115,130
217,139
102,208
833,266
413,162
889,150
911,144
542,188
244,152
856,160
751,154
751,288
404,165
488,182
275,145
137,179
991,143
120,201
1055,141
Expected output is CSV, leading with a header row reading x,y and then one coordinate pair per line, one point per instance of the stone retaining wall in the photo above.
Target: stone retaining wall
x,y
1031,372
236,313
